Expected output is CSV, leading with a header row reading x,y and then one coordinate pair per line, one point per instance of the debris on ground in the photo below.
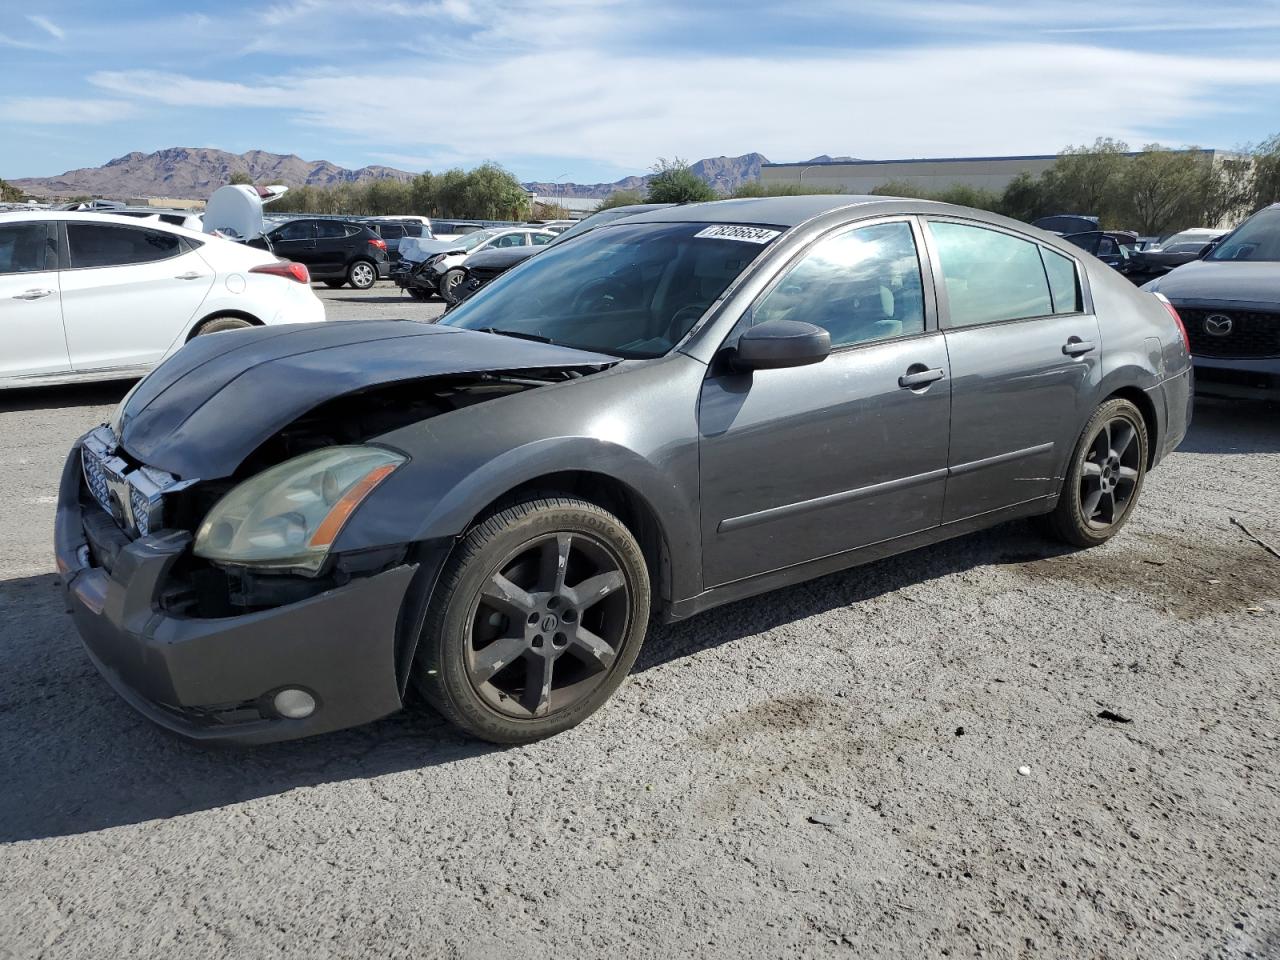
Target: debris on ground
x,y
1257,539
1113,717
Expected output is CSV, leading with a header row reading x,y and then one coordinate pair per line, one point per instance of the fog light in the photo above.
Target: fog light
x,y
294,704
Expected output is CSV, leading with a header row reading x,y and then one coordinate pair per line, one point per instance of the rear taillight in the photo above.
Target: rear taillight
x,y
378,242
284,268
1182,328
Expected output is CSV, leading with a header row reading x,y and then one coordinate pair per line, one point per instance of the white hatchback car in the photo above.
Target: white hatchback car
x,y
91,296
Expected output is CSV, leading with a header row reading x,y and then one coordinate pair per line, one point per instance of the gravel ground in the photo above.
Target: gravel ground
x,y
832,769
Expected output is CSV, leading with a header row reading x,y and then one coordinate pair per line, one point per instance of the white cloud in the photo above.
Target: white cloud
x,y
47,25
625,110
55,111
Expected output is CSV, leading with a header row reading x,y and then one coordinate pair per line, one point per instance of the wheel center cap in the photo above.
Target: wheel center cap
x,y
550,622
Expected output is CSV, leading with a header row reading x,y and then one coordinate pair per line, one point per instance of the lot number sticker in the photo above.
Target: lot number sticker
x,y
745,234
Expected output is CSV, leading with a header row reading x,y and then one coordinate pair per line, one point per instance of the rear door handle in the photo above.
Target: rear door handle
x,y
918,375
189,275
38,294
1075,347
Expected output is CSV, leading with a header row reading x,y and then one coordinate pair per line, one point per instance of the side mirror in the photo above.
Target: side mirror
x,y
781,343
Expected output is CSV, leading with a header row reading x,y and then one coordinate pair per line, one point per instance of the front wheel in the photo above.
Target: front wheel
x,y
362,274
449,284
538,617
1105,477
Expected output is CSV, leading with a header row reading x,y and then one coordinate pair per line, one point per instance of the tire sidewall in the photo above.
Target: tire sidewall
x,y
447,631
446,288
1071,507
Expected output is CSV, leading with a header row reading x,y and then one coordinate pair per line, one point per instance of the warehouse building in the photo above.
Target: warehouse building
x,y
928,175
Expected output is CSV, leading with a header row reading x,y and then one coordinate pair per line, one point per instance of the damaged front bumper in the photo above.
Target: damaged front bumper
x,y
215,679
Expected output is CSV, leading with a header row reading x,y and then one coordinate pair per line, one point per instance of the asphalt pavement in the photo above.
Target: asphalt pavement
x,y
994,747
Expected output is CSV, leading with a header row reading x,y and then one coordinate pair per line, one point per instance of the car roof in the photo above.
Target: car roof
x,y
98,216
779,211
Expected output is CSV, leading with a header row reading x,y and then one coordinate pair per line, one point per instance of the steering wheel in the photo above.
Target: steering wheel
x,y
683,318
592,293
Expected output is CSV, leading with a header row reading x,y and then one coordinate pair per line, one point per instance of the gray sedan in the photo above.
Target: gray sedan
x,y
672,412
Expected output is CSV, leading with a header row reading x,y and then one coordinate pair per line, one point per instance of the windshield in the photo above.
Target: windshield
x,y
631,290
472,240
1258,238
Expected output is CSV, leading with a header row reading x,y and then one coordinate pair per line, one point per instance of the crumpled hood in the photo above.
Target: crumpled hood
x,y
1239,280
203,411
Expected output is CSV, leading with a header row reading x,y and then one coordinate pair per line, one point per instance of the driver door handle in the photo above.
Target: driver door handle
x,y
916,377
37,294
189,275
1075,347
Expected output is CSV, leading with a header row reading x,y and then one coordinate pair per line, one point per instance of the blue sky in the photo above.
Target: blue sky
x,y
588,90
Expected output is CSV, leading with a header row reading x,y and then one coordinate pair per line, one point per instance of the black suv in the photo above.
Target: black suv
x,y
335,251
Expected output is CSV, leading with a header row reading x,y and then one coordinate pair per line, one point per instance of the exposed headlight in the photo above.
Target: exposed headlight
x,y
289,516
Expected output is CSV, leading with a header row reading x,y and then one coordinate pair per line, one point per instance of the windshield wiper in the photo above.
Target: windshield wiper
x,y
519,335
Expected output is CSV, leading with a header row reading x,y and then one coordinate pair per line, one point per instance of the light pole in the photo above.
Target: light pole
x,y
803,169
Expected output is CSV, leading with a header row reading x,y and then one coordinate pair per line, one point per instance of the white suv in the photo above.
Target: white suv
x,y
91,296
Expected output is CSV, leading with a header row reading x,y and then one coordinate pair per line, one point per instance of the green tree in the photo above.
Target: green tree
x,y
621,198
239,176
901,188
1159,190
674,182
1025,199
1266,174
549,210
1088,180
9,193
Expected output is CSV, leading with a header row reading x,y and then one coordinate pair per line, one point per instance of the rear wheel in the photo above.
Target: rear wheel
x,y
1105,478
219,324
538,617
362,274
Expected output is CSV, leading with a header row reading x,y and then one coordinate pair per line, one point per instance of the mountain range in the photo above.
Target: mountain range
x,y
195,172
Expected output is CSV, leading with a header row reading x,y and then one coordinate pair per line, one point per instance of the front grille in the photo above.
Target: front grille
x,y
1247,333
95,475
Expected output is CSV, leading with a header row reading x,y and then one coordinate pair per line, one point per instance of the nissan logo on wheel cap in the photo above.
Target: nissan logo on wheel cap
x,y
1218,325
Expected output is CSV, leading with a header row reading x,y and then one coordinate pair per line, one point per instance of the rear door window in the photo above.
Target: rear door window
x,y
24,248
334,230
510,240
990,276
541,239
112,245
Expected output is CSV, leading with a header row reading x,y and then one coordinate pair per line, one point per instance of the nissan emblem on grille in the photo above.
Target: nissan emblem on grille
x,y
1217,325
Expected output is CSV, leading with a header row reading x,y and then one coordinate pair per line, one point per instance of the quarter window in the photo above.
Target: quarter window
x,y
1063,286
862,285
23,247
990,276
111,245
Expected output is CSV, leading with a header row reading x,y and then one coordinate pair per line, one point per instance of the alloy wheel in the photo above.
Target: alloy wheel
x,y
538,645
1110,472
362,275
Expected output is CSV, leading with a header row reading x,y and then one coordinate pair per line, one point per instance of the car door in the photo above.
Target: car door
x,y
33,343
335,245
128,293
811,461
1024,349
296,241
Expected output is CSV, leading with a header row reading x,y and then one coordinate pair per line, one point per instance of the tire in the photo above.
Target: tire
x,y
448,282
219,324
334,284
540,649
1109,463
420,295
362,274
